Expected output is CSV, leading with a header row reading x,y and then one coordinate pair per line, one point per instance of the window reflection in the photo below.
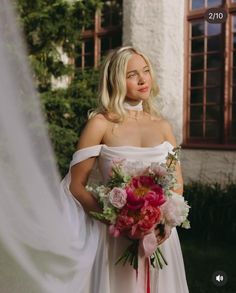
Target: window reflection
x,y
196,4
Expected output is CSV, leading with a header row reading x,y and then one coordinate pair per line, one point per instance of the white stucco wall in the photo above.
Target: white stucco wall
x,y
157,28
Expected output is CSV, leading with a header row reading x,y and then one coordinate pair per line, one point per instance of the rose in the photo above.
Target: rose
x,y
117,197
142,190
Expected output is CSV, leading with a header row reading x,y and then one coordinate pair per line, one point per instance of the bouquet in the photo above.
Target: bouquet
x,y
138,200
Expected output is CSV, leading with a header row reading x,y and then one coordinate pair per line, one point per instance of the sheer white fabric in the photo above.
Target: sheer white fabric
x,y
40,251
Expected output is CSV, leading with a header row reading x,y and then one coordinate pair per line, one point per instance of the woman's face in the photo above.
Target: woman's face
x,y
138,79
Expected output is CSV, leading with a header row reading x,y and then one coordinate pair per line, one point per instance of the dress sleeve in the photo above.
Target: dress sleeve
x,y
85,153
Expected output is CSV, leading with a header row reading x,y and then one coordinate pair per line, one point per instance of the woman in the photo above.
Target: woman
x,y
126,125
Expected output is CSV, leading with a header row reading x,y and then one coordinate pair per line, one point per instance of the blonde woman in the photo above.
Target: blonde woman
x,y
126,125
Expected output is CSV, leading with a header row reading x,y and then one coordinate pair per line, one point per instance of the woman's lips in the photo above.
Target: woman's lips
x,y
144,89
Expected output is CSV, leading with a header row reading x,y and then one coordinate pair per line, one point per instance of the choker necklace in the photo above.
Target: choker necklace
x,y
138,107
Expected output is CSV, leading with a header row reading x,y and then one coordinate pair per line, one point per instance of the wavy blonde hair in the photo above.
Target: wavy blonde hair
x,y
112,85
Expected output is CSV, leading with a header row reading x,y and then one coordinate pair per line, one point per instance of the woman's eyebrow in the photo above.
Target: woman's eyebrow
x,y
135,70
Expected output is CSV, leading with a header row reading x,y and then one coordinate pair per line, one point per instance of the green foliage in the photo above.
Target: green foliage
x,y
212,214
52,27
66,112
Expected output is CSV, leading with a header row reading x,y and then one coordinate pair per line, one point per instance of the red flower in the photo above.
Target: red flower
x,y
149,217
143,190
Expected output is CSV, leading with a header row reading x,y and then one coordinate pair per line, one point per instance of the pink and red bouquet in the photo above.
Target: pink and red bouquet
x,y
136,201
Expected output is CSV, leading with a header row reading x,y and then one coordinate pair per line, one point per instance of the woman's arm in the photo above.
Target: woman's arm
x,y
91,135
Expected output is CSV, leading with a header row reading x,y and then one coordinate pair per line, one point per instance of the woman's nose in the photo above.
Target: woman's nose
x,y
141,79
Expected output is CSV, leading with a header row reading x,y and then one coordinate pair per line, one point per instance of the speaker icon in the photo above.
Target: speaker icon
x,y
219,278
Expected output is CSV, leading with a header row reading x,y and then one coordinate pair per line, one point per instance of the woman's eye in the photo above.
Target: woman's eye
x,y
131,75
147,70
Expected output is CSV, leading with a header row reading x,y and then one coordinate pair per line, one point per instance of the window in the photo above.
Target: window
x,y
103,35
210,118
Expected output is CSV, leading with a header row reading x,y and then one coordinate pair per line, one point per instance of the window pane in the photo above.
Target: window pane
x,y
197,28
196,96
213,95
234,41
213,29
212,112
234,76
196,4
233,130
78,61
111,13
211,3
234,94
234,23
88,60
214,60
214,43
196,112
196,129
198,45
116,40
197,79
212,130
197,62
234,112
105,44
234,58
214,78
88,46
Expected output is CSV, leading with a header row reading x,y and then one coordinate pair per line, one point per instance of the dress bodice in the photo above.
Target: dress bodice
x,y
141,157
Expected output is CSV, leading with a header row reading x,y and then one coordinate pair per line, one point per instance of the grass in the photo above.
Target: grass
x,y
202,259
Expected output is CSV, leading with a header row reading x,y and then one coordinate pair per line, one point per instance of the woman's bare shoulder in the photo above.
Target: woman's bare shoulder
x,y
165,129
93,131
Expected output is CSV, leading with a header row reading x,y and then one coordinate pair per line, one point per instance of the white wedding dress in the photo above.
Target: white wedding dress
x,y
101,250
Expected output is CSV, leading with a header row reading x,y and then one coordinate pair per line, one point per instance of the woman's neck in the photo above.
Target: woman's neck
x,y
134,111
133,107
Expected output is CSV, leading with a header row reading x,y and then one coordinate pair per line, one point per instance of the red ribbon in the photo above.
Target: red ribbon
x,y
147,264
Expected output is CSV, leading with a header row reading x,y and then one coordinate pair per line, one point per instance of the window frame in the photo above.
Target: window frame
x,y
198,14
96,34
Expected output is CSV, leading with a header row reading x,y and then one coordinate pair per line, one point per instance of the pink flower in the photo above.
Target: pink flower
x,y
124,221
143,190
148,218
114,231
158,170
117,197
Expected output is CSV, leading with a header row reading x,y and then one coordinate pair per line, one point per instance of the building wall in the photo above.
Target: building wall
x,y
157,28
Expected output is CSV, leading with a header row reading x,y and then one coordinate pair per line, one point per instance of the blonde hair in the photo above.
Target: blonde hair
x,y
112,84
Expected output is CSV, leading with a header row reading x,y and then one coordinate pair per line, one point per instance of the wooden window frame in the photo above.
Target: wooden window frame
x,y
96,34
198,14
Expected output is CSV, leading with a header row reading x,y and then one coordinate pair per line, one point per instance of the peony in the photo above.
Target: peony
x,y
148,217
117,197
175,210
124,221
143,190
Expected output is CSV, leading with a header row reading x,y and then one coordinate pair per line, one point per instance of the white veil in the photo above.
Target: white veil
x,y
39,251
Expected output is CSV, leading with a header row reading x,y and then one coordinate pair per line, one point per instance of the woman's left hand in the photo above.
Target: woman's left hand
x,y
162,233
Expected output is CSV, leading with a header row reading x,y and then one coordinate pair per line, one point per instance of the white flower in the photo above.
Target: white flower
x,y
117,197
175,210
